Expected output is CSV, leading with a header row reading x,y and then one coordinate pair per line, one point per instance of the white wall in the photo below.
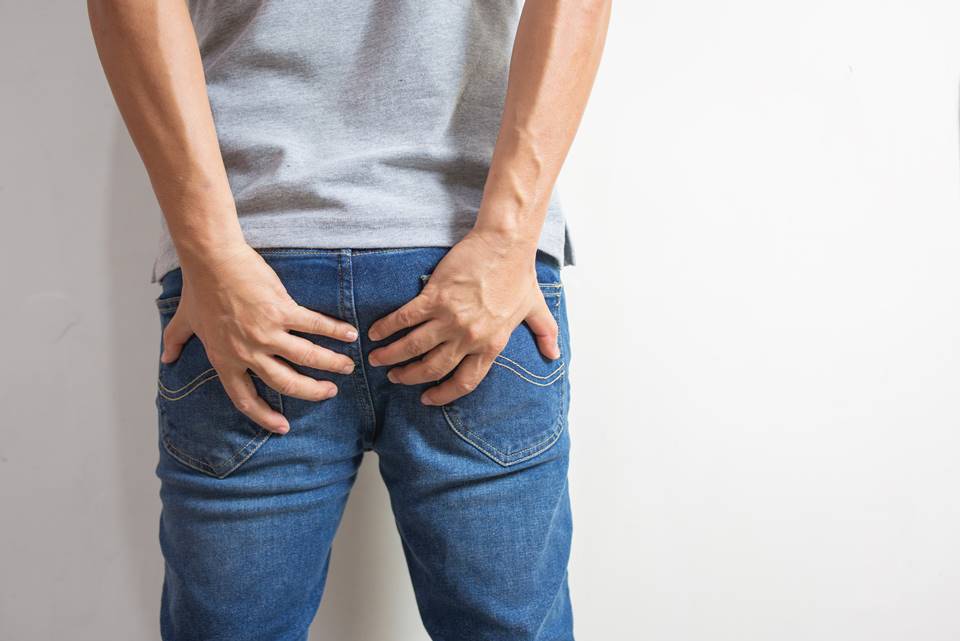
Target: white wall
x,y
765,317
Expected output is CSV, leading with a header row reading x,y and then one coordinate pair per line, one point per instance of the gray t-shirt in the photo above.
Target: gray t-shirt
x,y
358,123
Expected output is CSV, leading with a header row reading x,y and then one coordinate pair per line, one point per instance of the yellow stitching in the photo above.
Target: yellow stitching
x,y
163,389
216,468
177,391
188,393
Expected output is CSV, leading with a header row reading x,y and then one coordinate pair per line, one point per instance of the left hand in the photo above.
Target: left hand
x,y
477,295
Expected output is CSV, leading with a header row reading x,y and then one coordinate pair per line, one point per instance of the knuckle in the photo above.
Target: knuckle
x,y
320,325
275,314
245,405
257,336
308,357
443,298
414,346
473,332
287,386
465,386
433,371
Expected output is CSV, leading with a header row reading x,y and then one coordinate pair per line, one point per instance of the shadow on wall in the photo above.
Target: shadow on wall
x,y
367,563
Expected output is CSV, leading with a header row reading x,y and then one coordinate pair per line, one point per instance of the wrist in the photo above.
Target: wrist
x,y
199,255
506,242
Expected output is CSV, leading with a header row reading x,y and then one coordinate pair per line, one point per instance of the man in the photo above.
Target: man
x,y
362,250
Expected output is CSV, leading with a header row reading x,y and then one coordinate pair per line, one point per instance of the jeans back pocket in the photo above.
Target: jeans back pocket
x,y
199,425
519,409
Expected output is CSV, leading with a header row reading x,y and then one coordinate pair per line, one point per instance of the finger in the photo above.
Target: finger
x,y
175,335
289,382
439,362
243,394
311,322
471,371
300,350
544,327
413,313
420,341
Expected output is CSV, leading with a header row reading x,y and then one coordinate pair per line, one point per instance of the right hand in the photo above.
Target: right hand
x,y
242,314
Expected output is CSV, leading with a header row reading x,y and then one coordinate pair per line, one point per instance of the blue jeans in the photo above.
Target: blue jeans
x,y
478,487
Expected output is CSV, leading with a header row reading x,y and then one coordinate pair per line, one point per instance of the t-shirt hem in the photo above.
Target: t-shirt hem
x,y
554,241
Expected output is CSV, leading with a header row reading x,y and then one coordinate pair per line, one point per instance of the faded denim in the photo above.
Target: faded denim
x,y
478,487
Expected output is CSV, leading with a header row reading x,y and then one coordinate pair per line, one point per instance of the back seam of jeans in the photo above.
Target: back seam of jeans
x,y
348,311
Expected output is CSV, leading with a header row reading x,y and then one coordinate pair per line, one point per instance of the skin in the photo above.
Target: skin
x,y
480,292
486,285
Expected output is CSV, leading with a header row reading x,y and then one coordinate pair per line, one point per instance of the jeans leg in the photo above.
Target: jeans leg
x,y
487,549
246,557
479,487
248,517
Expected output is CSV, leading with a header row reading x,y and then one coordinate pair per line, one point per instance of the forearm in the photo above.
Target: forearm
x,y
555,58
151,59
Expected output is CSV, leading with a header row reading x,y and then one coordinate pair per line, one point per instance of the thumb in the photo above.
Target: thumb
x,y
175,335
544,328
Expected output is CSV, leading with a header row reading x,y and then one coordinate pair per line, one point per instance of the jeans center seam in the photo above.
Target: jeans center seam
x,y
348,311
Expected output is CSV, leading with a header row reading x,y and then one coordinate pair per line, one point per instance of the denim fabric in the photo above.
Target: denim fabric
x,y
478,487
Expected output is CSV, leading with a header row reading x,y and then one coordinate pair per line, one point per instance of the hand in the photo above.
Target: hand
x,y
241,312
476,297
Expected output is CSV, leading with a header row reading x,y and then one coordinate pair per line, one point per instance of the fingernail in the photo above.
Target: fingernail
x,y
346,369
391,377
426,400
351,334
373,360
283,429
373,335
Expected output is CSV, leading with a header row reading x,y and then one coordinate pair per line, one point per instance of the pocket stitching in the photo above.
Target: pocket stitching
x,y
202,466
493,451
549,290
224,469
164,390
510,362
498,357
